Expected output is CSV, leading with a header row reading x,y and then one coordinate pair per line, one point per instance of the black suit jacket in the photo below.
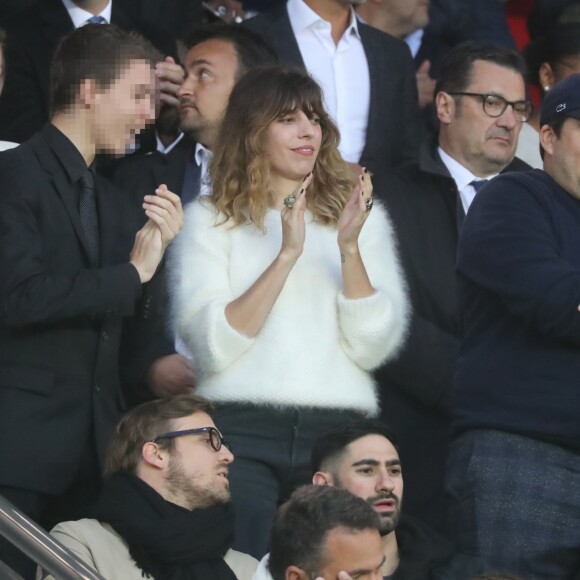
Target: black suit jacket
x,y
148,335
423,203
31,41
61,320
394,128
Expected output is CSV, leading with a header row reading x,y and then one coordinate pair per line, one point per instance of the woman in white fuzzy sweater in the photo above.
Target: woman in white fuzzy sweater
x,y
286,290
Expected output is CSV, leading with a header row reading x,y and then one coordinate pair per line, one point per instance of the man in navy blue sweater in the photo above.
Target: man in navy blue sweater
x,y
514,467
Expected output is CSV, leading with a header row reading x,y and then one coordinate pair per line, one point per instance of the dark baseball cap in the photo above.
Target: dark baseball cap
x,y
562,100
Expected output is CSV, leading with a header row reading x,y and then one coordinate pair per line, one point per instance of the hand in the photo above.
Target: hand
x,y
425,84
165,220
229,10
170,76
171,375
354,214
165,210
293,226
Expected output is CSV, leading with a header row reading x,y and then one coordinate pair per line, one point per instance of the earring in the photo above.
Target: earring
x,y
547,88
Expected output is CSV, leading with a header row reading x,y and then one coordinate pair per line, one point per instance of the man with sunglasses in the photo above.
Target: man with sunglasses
x,y
164,510
481,104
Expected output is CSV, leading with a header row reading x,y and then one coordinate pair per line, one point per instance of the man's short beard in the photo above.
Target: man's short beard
x,y
389,522
179,484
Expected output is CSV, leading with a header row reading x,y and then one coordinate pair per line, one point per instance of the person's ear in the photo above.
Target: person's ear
x,y
322,478
445,107
546,76
547,139
154,456
87,93
295,573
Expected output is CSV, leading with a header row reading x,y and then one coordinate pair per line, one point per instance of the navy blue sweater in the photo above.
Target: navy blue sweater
x,y
519,265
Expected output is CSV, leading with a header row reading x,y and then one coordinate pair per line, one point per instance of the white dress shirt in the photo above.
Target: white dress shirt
x,y
414,41
462,177
203,158
79,16
341,70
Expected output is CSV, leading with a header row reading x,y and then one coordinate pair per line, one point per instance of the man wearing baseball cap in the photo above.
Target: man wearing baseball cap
x,y
514,467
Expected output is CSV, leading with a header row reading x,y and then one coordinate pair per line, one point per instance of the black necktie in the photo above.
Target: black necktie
x,y
88,214
477,184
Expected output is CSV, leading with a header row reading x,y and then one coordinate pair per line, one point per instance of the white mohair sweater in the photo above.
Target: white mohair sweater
x,y
316,347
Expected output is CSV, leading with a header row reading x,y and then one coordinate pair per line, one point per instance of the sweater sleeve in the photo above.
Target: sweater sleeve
x,y
202,290
373,329
510,246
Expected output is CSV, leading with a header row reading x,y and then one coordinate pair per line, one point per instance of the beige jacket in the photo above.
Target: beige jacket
x,y
99,546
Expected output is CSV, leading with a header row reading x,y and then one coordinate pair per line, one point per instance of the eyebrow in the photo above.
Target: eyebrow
x,y
374,462
199,61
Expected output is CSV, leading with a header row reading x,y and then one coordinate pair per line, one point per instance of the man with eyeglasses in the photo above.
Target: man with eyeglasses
x,y
514,465
164,511
481,104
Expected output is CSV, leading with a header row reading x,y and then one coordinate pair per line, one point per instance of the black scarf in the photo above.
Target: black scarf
x,y
166,541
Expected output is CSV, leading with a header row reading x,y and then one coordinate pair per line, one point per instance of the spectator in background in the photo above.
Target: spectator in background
x,y
514,462
367,77
408,20
325,532
549,59
217,57
284,358
481,104
164,511
361,458
73,267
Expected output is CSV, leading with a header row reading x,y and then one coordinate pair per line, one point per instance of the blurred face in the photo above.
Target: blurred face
x,y
124,108
485,145
291,143
211,68
409,15
359,553
197,475
371,470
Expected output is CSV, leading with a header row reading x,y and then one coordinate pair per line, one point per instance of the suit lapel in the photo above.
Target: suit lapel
x,y
282,39
62,186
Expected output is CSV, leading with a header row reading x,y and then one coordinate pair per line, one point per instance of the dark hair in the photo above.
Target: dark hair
x,y
144,423
330,446
562,41
251,48
457,66
302,524
94,51
240,169
2,38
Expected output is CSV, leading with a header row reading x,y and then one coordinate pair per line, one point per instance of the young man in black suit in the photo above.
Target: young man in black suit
x,y
73,267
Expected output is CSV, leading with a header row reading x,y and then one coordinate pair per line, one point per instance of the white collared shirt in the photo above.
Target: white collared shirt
x,y
165,149
203,157
341,70
462,177
79,16
414,41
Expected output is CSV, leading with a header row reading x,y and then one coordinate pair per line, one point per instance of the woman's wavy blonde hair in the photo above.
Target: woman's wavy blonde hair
x,y
240,170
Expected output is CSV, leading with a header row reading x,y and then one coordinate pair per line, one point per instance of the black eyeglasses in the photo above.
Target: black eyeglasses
x,y
215,437
495,106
